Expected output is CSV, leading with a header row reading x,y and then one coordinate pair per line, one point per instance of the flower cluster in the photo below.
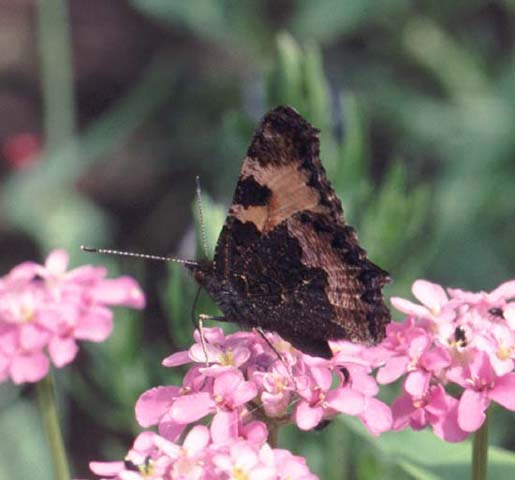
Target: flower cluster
x,y
245,379
248,387
201,458
44,310
456,338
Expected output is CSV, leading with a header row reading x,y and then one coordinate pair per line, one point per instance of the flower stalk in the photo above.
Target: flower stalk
x,y
273,434
480,452
48,410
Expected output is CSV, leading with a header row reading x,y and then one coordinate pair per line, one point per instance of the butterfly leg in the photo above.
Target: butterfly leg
x,y
279,356
200,319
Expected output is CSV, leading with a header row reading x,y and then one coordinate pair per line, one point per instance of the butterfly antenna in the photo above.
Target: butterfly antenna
x,y
146,256
201,217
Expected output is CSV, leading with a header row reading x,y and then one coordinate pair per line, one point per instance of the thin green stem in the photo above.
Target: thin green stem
x,y
56,72
480,452
48,410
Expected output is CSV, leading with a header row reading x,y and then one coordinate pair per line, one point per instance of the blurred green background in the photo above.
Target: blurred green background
x,y
109,109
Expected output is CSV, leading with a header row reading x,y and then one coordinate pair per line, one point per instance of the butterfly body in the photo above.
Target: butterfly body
x,y
285,260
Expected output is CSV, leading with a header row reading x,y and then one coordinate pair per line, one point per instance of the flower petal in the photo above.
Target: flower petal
x,y
376,416
504,391
224,427
176,359
119,291
471,410
417,383
307,417
29,368
430,294
402,410
255,432
346,400
410,308
505,291
110,469
190,408
447,427
62,350
154,403
57,262
96,325
392,370
196,440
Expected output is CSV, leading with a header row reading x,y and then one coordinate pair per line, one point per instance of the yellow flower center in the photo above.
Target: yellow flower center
x,y
504,353
226,359
147,469
27,314
239,474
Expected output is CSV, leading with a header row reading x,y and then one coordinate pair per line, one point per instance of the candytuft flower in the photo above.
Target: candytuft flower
x,y
454,337
200,457
45,309
257,385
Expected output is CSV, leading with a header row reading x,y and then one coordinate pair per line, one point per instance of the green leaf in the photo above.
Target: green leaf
x,y
24,452
316,90
285,81
423,453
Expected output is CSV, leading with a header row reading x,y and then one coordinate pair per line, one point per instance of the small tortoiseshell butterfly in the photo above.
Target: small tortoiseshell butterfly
x,y
285,260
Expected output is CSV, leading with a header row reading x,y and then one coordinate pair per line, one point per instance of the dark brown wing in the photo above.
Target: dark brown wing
x,y
281,175
354,283
285,248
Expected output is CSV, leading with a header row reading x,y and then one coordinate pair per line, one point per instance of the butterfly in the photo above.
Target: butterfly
x,y
285,260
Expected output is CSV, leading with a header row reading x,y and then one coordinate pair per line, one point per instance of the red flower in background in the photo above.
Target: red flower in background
x,y
21,150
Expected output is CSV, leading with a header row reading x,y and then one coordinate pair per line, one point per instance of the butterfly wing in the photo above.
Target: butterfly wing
x,y
285,251
281,175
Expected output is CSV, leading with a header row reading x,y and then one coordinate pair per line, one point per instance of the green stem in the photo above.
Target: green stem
x,y
480,452
273,434
56,72
48,410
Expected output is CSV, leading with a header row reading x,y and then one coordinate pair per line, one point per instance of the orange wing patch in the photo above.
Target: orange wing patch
x,y
290,193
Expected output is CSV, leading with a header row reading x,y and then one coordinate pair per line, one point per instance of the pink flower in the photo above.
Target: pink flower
x,y
436,408
434,302
290,466
230,391
246,380
465,338
245,460
481,386
199,457
223,353
144,461
44,310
